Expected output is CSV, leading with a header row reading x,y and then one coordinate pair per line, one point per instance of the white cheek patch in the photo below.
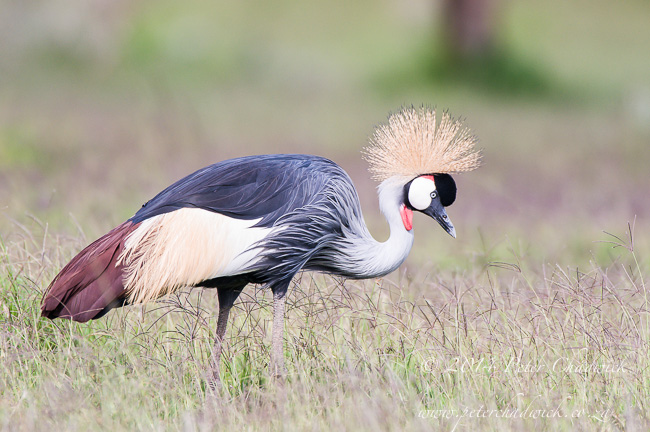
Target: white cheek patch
x,y
420,193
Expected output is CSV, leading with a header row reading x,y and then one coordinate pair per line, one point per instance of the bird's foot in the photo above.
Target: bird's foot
x,y
213,380
277,370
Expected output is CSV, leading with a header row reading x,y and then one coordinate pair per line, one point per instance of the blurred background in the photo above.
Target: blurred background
x,y
104,103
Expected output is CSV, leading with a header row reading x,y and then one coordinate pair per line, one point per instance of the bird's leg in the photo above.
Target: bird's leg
x,y
222,323
227,296
277,348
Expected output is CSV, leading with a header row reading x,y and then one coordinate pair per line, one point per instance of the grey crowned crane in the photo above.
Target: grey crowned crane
x,y
262,219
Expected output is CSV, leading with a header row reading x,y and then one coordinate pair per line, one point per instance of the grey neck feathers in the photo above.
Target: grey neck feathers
x,y
368,258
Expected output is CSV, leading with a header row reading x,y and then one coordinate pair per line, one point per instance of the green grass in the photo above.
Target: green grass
x,y
435,351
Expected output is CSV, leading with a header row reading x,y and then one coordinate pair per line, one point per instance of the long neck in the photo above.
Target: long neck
x,y
370,258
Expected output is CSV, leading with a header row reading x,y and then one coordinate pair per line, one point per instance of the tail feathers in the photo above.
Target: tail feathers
x,y
92,283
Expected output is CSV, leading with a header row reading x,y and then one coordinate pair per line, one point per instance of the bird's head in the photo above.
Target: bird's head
x,y
430,194
414,150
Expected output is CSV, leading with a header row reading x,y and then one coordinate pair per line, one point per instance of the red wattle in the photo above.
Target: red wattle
x,y
407,217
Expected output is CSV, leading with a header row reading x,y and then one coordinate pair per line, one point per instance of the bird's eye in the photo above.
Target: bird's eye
x,y
434,195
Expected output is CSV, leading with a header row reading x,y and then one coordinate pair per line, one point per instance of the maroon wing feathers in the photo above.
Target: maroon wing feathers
x,y
92,283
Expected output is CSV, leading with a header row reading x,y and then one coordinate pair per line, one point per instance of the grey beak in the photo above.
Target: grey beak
x,y
437,211
445,223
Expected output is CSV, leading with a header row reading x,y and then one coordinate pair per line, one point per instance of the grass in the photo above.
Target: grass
x,y
489,348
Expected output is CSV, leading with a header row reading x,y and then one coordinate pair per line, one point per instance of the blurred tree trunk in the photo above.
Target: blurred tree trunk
x,y
469,27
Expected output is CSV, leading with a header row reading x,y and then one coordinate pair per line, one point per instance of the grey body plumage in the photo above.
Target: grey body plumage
x,y
309,201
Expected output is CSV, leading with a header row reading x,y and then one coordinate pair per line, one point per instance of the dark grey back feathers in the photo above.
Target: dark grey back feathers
x,y
252,187
310,201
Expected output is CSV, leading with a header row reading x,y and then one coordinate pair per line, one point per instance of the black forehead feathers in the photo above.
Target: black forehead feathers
x,y
446,187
